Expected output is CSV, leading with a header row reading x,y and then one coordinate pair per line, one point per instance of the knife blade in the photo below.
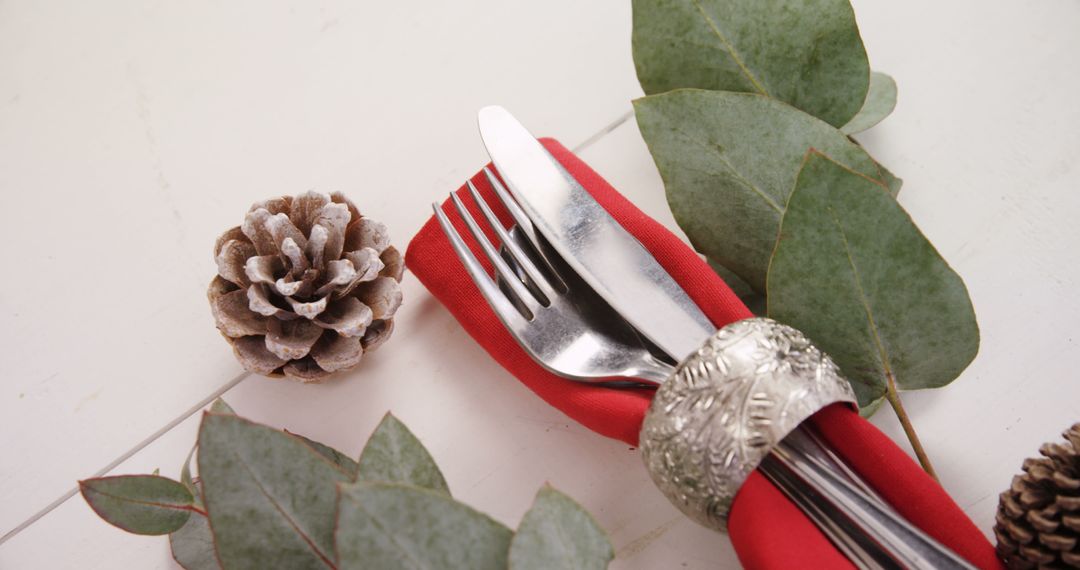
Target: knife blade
x,y
590,240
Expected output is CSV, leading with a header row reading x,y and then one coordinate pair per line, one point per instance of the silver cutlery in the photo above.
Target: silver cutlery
x,y
622,272
568,329
590,241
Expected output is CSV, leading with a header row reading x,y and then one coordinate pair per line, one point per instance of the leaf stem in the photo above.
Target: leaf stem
x,y
894,400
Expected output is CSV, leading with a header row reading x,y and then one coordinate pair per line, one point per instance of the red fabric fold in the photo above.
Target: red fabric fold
x,y
767,530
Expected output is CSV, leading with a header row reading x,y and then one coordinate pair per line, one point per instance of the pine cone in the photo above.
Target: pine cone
x,y
1038,518
305,286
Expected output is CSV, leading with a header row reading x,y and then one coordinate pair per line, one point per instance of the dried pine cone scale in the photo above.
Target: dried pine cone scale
x,y
305,286
1038,518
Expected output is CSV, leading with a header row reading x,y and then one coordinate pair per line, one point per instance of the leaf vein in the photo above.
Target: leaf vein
x,y
568,547
277,506
168,506
393,539
730,49
882,353
734,172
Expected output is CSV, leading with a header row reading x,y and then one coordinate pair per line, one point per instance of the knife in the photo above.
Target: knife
x,y
588,239
629,278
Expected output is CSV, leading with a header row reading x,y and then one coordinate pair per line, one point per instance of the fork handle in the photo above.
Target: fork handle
x,y
862,525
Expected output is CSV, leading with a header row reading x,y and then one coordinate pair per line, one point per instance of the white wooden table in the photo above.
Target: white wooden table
x,y
132,133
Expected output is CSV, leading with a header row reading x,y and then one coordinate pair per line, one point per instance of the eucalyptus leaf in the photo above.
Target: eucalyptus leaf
x,y
880,102
855,274
193,545
140,504
270,497
752,299
392,525
729,162
871,408
807,53
891,181
220,407
558,533
346,463
393,454
187,481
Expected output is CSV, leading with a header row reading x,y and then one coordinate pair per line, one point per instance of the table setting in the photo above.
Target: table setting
x,y
600,407
716,330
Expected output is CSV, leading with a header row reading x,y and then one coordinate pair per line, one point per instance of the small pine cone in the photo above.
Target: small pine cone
x,y
1038,518
305,286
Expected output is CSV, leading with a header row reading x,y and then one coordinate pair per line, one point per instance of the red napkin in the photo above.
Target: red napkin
x,y
767,530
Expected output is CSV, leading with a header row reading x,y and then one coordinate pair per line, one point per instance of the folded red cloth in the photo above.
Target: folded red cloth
x,y
767,530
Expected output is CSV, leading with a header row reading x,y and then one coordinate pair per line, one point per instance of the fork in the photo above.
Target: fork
x,y
567,330
570,331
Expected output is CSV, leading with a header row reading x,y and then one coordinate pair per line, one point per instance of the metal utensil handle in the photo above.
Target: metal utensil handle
x,y
852,542
869,531
738,404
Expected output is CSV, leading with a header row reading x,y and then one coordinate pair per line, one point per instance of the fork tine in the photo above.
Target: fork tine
x,y
522,220
520,291
504,309
516,253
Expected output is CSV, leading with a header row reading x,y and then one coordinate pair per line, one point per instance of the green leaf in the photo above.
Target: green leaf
x,y
558,533
187,481
752,299
729,162
807,53
270,497
880,102
855,274
391,525
890,179
141,504
220,407
871,408
193,545
393,454
346,463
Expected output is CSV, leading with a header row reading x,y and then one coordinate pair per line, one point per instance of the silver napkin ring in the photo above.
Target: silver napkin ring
x,y
726,406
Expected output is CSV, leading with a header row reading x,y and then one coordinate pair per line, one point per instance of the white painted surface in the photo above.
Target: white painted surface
x,y
131,134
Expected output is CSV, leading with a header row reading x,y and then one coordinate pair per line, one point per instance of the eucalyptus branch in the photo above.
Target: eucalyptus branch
x,y
343,508
893,397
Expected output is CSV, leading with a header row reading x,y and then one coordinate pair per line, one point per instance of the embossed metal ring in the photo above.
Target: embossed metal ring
x,y
726,406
